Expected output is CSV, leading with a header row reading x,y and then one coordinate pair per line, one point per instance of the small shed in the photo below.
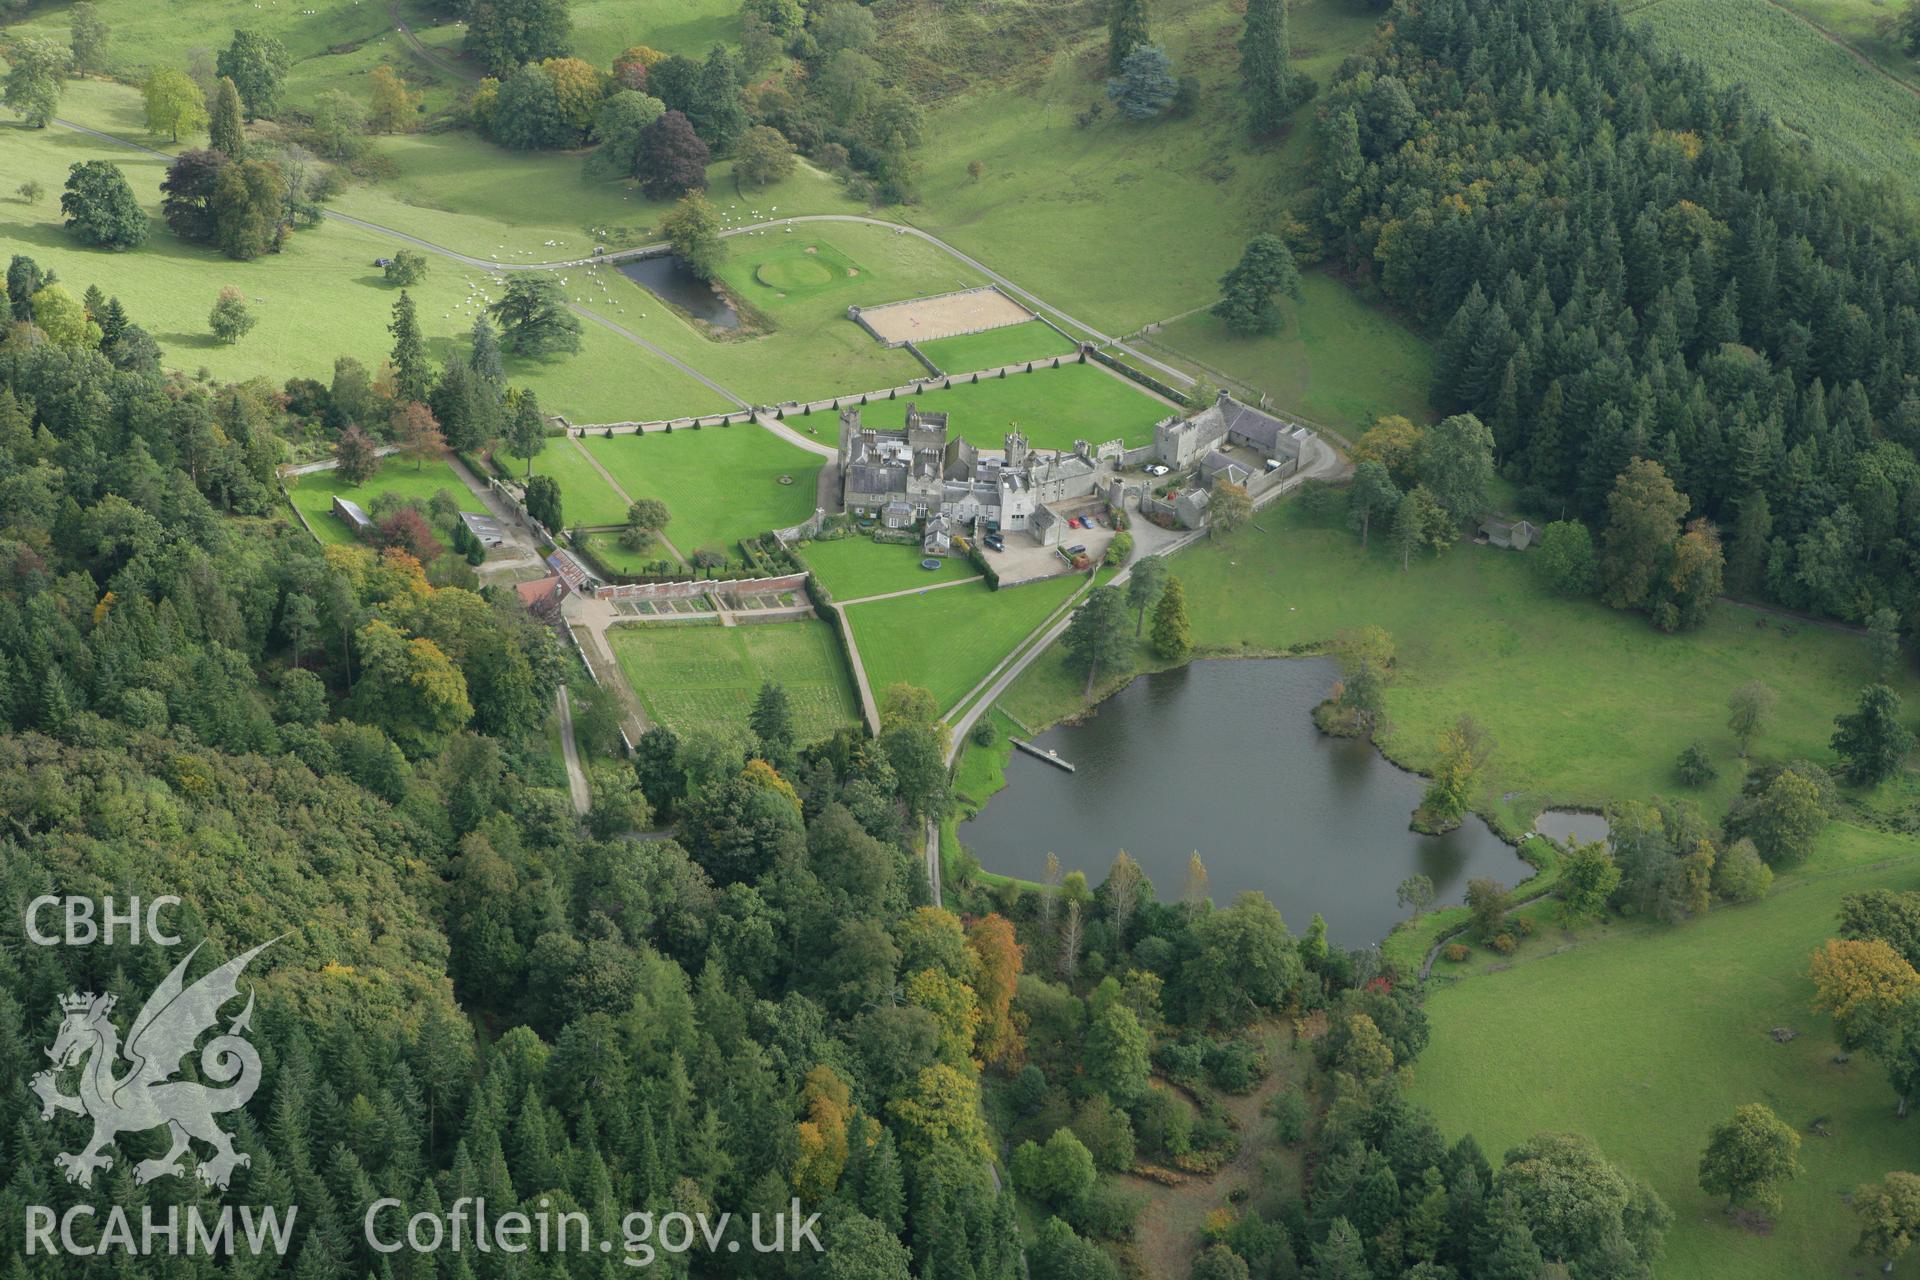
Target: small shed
x,y
939,536
485,528
353,514
1515,535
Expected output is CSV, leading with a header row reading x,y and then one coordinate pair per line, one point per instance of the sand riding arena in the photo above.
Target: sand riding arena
x,y
945,315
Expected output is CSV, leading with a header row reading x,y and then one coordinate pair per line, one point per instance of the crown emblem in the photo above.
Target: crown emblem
x,y
85,1003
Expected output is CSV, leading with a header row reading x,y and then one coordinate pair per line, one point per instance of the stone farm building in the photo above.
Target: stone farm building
x,y
1226,441
1212,436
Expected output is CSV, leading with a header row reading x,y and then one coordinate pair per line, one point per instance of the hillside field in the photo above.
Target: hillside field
x,y
318,299
1821,93
1642,1036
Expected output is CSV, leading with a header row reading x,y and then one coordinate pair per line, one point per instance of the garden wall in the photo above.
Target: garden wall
x,y
687,590
1126,370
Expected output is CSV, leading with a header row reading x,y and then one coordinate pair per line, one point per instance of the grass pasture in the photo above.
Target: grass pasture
x,y
314,492
721,483
1335,360
603,28
1476,634
1839,108
1122,224
946,641
994,348
1643,1035
690,676
1053,407
334,44
456,189
318,299
853,568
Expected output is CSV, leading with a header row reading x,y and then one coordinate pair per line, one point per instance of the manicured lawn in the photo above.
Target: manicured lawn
x,y
1846,112
1643,1035
318,299
810,349
606,546
313,494
946,641
1053,407
852,568
1335,359
1585,704
585,496
721,483
1034,340
692,676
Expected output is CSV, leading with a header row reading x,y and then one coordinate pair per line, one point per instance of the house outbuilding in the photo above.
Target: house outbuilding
x,y
354,516
1515,535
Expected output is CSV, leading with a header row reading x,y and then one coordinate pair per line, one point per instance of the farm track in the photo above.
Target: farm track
x,y
426,55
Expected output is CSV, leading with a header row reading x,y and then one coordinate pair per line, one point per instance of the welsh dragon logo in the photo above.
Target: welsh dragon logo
x,y
147,1097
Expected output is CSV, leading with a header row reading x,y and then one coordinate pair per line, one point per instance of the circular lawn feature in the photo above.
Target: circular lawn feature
x,y
929,564
795,272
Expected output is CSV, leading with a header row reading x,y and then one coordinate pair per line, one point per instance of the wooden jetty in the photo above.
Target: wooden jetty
x,y
1050,757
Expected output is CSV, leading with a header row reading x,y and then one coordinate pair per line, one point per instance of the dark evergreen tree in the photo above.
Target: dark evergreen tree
x,y
411,378
1127,30
1266,66
226,133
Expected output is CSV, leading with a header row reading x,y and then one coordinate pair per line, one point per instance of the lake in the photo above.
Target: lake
x,y
662,275
1222,756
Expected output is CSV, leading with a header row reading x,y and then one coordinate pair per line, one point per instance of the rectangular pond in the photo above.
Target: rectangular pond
x,y
664,276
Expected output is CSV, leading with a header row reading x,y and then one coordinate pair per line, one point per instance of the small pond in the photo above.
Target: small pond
x,y
1564,825
663,276
1222,756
